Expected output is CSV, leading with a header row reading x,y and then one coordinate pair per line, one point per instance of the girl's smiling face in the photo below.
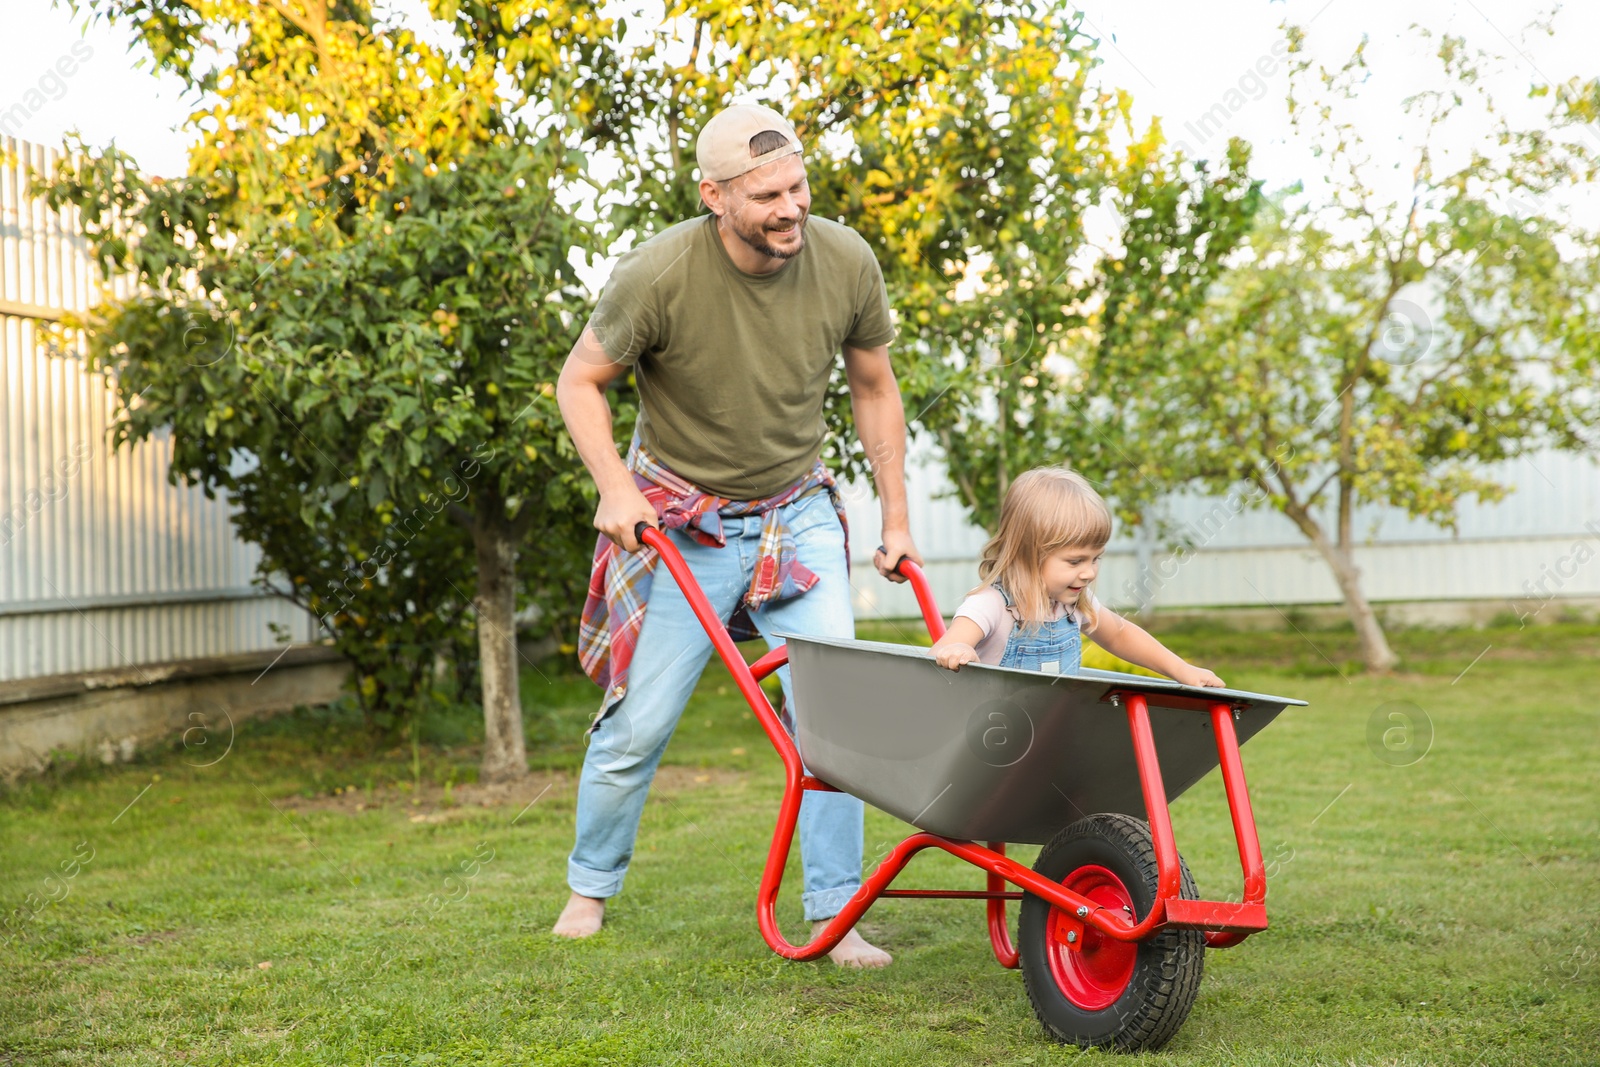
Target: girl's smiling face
x,y
1067,571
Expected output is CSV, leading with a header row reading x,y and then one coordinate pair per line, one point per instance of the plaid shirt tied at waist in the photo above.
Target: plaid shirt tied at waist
x,y
619,584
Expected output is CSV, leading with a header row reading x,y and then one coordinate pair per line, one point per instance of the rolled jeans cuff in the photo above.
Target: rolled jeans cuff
x,y
826,903
601,885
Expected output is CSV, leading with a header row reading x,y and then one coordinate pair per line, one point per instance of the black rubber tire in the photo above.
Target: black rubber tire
x,y
1167,967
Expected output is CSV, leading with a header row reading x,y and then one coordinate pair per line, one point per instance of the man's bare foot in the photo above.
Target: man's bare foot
x,y
853,949
581,917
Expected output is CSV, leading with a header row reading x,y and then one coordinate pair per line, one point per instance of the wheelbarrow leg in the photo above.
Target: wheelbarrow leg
x,y
1157,815
1244,820
999,933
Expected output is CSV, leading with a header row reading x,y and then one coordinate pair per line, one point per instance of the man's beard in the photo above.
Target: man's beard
x,y
757,239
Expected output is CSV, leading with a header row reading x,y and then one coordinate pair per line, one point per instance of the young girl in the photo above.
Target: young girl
x,y
1036,599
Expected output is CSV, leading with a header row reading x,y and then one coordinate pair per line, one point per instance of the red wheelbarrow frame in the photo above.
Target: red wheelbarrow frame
x,y
1225,923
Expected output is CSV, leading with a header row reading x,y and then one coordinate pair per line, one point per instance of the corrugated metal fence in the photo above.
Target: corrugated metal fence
x,y
1539,546
103,564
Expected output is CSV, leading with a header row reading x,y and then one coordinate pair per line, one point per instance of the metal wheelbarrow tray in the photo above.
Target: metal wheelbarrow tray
x,y
996,753
1113,931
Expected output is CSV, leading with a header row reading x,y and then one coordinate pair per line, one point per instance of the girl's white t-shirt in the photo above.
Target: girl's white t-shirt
x,y
987,608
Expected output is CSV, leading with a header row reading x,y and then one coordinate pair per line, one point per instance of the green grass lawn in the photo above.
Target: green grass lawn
x,y
303,901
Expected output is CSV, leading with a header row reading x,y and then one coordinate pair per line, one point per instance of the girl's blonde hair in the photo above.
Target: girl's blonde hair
x,y
1045,509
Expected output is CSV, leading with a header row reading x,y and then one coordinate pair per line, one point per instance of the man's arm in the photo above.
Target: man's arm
x,y
581,393
881,424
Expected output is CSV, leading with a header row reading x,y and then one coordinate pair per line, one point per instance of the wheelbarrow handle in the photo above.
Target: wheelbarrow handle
x,y
909,569
904,566
896,568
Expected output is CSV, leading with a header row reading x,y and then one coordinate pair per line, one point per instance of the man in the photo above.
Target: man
x,y
730,323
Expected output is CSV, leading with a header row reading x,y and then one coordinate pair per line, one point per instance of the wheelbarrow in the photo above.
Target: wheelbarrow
x,y
1112,933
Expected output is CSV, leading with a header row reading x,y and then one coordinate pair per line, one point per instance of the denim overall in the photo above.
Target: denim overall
x,y
1054,648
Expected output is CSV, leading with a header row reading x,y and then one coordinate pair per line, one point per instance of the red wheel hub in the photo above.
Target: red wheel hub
x,y
1092,977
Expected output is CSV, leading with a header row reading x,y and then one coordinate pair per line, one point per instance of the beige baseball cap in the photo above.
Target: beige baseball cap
x,y
723,149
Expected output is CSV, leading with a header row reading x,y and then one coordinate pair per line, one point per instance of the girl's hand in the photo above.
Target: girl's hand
x,y
1189,674
953,655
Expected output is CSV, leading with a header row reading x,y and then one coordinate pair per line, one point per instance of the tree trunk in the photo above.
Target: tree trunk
x,y
504,756
1375,651
1003,473
969,495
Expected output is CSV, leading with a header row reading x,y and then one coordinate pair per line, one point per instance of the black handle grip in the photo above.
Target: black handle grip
x,y
638,531
896,568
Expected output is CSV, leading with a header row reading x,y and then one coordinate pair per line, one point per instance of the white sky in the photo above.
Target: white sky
x,y
1179,60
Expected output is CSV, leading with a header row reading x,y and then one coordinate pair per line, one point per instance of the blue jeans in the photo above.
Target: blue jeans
x,y
672,651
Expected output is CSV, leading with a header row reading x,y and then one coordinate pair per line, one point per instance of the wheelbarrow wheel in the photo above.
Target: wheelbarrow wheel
x,y
1103,992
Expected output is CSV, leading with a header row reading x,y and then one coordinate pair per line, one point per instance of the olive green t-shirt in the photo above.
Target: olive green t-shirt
x,y
732,368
